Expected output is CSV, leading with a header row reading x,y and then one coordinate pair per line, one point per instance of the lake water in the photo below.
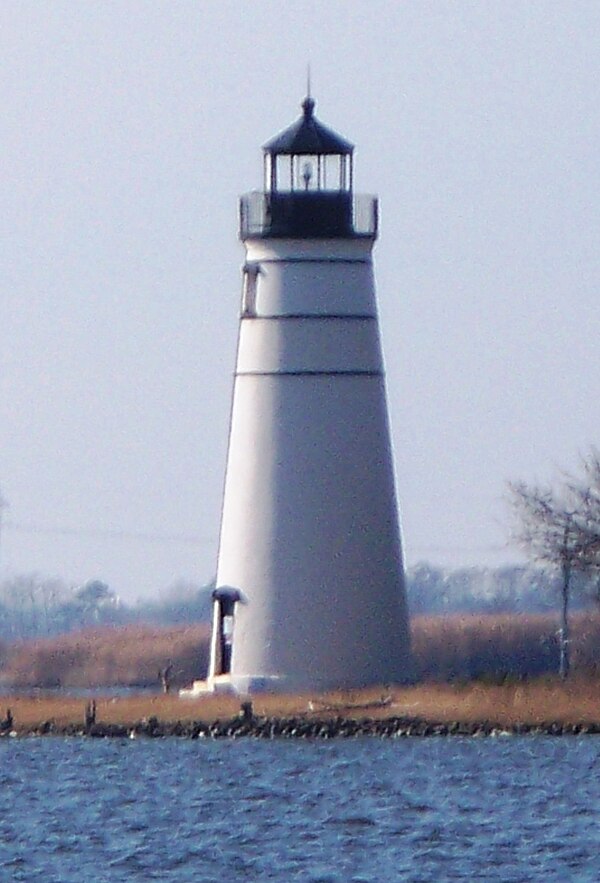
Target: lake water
x,y
509,809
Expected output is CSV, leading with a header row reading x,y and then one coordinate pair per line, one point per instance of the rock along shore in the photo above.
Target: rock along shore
x,y
303,728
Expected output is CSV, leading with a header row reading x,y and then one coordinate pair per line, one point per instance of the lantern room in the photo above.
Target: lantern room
x,y
308,186
308,157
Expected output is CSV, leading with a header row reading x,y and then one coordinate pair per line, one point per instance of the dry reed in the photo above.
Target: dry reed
x,y
453,648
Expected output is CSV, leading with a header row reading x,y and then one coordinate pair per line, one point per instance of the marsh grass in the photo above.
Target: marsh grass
x,y
104,657
492,649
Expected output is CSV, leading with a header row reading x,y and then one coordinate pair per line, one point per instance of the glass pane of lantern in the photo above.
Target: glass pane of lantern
x,y
331,172
284,177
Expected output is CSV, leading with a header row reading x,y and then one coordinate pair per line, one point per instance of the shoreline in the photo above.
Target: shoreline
x,y
541,707
297,728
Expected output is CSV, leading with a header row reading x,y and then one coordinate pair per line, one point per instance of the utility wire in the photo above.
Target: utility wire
x,y
197,539
193,539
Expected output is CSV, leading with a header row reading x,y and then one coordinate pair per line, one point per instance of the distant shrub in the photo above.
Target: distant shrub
x,y
499,647
129,656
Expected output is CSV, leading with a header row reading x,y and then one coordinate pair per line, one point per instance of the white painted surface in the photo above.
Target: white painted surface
x,y
327,250
314,344
309,532
326,277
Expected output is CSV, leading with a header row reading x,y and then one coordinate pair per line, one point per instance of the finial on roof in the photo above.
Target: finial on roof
x,y
308,105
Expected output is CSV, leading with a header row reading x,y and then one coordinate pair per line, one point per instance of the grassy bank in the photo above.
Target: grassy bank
x,y
533,703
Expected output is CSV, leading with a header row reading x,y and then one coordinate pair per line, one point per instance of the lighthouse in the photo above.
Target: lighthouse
x,y
310,586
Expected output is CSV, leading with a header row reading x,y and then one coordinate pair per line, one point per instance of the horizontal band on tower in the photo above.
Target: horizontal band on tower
x,y
355,316
303,373
293,260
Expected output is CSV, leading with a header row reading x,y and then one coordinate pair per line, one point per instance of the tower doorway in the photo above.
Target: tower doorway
x,y
224,602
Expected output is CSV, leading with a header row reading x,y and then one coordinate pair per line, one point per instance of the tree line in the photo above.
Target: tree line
x,y
33,606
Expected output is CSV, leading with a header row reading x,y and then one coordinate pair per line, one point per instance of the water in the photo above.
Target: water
x,y
517,809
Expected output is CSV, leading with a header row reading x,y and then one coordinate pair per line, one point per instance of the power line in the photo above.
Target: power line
x,y
193,539
467,549
197,539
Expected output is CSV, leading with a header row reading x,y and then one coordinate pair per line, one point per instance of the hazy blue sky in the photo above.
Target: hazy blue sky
x,y
128,131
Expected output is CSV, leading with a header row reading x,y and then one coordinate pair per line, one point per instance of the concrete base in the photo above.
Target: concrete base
x,y
238,685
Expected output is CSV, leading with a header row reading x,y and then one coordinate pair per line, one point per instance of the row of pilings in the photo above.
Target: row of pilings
x,y
305,728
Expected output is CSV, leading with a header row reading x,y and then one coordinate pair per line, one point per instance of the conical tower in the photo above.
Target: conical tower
x,y
310,590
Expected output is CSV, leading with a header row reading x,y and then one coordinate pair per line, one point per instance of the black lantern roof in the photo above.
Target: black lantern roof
x,y
308,136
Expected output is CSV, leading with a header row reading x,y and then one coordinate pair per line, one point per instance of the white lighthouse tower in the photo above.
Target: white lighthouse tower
x,y
310,591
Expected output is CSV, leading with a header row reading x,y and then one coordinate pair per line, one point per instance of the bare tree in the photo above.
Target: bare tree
x,y
562,529
585,496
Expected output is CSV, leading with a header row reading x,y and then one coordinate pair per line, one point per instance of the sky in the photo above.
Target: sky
x,y
129,130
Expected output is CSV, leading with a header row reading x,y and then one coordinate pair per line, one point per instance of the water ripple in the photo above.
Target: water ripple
x,y
361,810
